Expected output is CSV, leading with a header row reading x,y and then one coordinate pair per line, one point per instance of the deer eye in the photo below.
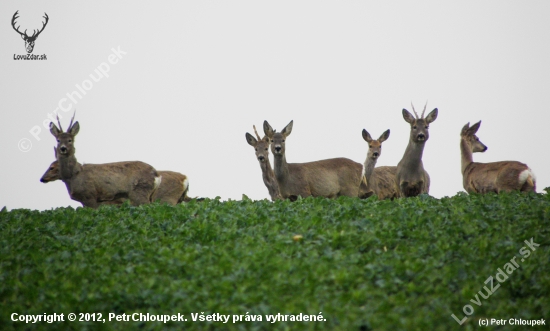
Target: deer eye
x,y
414,127
283,140
70,140
266,148
256,149
57,140
427,127
271,140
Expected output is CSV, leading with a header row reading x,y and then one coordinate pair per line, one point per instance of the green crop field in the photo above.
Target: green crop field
x,y
344,264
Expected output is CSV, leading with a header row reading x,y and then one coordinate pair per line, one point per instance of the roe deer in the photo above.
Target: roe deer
x,y
491,177
173,188
261,146
95,183
325,178
380,180
411,178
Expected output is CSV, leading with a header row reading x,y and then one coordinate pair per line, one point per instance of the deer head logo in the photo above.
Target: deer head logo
x,y
29,40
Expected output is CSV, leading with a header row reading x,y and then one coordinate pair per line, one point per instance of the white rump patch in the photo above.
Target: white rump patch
x,y
363,171
526,174
185,184
158,180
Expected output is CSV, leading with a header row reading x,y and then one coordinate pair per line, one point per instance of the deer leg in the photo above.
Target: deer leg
x,y
91,203
403,189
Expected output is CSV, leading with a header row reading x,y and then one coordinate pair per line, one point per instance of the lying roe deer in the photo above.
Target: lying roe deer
x,y
411,178
504,176
96,183
173,188
261,146
380,180
325,178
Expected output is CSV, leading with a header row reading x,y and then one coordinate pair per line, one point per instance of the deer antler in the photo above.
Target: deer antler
x,y
59,123
35,34
13,24
71,124
424,109
257,135
415,114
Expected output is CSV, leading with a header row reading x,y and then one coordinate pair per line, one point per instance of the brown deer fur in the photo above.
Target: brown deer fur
x,y
504,176
325,178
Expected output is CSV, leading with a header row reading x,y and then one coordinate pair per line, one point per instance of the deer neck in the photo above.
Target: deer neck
x,y
466,153
412,159
368,168
68,167
267,171
281,167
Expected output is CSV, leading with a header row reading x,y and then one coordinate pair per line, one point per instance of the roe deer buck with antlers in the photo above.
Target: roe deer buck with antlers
x,y
325,178
173,188
96,183
380,180
261,146
411,178
491,177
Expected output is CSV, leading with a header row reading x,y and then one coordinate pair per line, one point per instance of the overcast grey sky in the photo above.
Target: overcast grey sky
x,y
196,75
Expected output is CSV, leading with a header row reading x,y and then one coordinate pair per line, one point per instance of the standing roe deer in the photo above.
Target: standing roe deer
x,y
491,177
173,188
380,180
411,178
261,146
325,178
96,183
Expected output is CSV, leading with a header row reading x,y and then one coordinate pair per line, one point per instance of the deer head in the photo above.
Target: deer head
x,y
52,174
29,40
419,124
375,146
277,139
468,134
65,140
261,145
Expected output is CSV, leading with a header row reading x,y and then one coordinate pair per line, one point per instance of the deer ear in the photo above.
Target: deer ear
x,y
74,129
366,136
251,140
408,116
54,130
431,116
268,130
384,136
288,129
465,129
473,129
